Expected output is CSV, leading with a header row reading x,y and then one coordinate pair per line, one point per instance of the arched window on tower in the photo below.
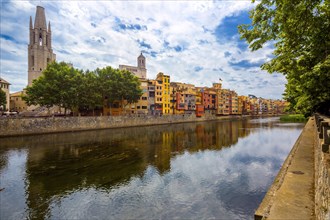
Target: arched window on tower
x,y
40,39
46,40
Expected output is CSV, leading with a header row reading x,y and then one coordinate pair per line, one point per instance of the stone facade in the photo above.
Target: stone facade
x,y
40,51
27,126
17,103
322,168
4,85
140,70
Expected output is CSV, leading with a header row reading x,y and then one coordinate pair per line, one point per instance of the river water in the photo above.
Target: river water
x,y
218,170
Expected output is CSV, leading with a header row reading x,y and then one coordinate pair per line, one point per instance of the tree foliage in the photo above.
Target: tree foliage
x,y
3,99
118,85
69,88
300,32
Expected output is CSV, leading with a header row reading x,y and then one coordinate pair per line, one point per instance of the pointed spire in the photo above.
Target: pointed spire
x,y
40,19
141,55
31,23
49,30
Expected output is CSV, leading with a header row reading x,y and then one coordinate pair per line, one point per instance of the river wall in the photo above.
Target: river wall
x,y
301,190
322,168
28,126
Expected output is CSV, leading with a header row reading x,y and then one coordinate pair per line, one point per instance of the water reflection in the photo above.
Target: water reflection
x,y
194,170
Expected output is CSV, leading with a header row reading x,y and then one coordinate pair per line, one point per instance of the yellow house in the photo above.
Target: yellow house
x,y
16,102
163,82
233,103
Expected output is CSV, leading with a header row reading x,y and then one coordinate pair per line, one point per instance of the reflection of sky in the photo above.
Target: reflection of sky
x,y
208,184
13,186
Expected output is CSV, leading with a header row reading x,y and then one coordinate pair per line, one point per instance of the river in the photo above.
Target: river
x,y
218,169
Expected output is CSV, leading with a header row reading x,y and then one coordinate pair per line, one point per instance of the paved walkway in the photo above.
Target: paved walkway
x,y
292,193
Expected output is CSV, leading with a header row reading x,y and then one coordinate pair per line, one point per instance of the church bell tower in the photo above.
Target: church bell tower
x,y
40,51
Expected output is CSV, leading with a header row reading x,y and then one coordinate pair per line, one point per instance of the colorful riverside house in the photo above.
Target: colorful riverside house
x,y
240,105
189,98
177,100
164,83
209,99
151,97
233,103
158,107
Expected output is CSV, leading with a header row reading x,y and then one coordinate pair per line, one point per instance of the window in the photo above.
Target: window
x,y
40,39
144,98
144,107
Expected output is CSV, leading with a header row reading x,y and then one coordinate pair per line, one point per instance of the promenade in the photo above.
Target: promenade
x,y
303,177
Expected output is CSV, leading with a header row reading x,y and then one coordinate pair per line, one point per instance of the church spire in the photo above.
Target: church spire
x,y
40,19
31,23
141,61
40,51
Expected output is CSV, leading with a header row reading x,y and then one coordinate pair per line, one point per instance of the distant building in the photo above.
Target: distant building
x,y
17,103
40,51
140,70
4,86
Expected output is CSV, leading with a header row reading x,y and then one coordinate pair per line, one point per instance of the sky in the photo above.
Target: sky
x,y
195,42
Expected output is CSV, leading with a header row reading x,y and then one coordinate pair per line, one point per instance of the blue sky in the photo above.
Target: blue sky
x,y
193,41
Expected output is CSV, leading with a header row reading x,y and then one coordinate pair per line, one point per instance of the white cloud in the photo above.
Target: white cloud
x,y
88,34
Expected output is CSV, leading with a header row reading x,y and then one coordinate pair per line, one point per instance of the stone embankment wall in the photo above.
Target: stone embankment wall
x,y
322,168
27,126
301,189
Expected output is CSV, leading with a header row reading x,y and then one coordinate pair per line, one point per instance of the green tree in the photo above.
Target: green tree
x,y
118,85
3,99
91,96
59,85
300,33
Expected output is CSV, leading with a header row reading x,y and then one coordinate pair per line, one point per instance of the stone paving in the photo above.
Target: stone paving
x,y
292,194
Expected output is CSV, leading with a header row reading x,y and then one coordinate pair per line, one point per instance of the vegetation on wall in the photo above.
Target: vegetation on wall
x,y
3,99
293,118
70,88
300,33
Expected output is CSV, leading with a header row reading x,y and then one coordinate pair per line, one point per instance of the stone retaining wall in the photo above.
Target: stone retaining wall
x,y
322,168
27,126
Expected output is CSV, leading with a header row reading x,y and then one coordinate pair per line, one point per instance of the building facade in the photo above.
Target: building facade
x,y
140,70
40,51
163,82
4,86
17,103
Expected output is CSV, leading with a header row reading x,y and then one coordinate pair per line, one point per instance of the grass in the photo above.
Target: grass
x,y
293,118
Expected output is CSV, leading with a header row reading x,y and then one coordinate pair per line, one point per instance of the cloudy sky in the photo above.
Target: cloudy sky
x,y
193,41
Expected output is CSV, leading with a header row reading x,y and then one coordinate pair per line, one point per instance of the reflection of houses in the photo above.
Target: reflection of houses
x,y
60,164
